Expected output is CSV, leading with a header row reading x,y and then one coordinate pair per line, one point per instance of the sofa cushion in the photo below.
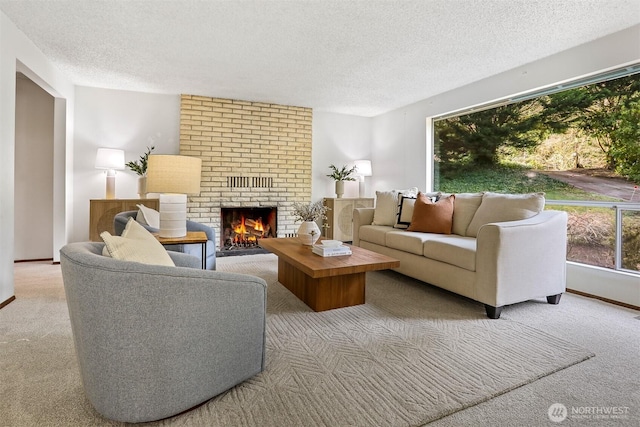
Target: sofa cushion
x,y
408,241
452,249
430,217
464,208
387,206
136,244
496,207
374,233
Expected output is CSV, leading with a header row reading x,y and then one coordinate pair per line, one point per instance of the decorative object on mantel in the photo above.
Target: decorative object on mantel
x,y
340,176
141,169
363,168
110,159
308,214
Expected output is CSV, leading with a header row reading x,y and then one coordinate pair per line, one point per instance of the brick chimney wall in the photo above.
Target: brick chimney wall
x,y
253,154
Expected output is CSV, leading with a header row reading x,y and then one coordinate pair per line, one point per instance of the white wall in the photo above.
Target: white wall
x,y
130,121
19,54
33,171
338,139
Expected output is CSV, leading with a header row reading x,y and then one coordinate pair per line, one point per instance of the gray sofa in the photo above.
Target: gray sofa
x,y
502,263
120,222
154,341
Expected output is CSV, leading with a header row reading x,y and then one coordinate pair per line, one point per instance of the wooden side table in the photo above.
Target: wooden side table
x,y
192,237
340,217
102,212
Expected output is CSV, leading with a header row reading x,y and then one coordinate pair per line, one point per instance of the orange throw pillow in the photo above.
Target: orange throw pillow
x,y
429,217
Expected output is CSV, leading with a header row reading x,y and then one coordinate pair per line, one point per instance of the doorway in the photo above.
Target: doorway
x,y
34,171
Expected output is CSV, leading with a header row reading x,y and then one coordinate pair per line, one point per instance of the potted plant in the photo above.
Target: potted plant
x,y
308,214
340,176
141,169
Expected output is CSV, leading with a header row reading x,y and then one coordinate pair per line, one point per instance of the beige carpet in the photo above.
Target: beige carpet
x,y
410,355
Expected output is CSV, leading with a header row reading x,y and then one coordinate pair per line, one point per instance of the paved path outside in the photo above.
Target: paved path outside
x,y
598,181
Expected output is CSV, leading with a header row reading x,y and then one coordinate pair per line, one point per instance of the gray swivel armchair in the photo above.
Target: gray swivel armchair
x,y
120,222
154,341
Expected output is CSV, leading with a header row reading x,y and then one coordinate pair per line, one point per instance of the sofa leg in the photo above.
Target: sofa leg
x,y
554,299
493,312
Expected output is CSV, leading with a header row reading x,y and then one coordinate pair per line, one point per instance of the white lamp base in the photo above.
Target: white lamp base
x,y
110,192
173,215
361,187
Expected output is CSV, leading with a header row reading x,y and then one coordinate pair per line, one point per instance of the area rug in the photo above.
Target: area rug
x,y
410,355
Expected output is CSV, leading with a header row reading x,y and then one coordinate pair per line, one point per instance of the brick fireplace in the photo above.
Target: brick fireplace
x,y
254,155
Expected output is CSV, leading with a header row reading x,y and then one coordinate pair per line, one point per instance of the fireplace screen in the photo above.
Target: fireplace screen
x,y
242,228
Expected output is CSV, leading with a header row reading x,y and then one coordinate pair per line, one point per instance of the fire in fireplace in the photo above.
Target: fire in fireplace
x,y
242,228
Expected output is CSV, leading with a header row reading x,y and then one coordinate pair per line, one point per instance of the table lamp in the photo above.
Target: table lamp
x,y
363,168
111,160
174,177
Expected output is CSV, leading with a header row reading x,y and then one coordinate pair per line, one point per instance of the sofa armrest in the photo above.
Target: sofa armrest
x,y
361,216
521,260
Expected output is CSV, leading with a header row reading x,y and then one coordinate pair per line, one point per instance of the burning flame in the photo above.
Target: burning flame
x,y
240,229
248,231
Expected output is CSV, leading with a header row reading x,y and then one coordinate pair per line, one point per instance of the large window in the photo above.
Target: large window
x,y
581,146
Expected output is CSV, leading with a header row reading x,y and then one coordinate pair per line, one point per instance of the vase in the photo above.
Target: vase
x,y
308,233
339,189
142,187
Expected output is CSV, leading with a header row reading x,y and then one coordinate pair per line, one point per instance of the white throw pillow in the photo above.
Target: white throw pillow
x,y
386,209
497,207
136,244
148,216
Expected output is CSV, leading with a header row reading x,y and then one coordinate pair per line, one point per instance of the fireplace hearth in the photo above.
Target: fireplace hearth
x,y
242,228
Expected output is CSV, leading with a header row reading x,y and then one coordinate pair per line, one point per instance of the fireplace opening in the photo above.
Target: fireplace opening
x,y
242,228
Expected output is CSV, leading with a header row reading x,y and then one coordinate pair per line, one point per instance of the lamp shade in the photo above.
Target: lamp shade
x,y
173,174
363,167
110,158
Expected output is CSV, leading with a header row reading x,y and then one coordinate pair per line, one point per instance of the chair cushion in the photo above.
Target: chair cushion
x,y
430,217
136,244
496,207
148,216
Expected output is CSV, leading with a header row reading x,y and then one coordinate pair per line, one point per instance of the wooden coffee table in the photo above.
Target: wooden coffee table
x,y
325,283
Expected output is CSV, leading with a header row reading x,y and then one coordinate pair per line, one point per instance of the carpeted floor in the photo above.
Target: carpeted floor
x,y
412,354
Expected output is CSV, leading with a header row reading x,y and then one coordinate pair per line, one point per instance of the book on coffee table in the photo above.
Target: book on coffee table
x,y
331,251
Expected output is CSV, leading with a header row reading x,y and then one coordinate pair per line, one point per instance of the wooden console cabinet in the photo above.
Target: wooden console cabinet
x,y
340,217
102,212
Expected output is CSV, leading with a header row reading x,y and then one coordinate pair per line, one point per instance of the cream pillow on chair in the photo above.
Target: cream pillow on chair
x,y
148,216
136,244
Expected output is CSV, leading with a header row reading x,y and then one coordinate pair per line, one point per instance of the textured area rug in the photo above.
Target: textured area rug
x,y
410,355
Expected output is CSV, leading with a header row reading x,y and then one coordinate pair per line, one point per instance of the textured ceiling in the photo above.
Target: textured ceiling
x,y
355,57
